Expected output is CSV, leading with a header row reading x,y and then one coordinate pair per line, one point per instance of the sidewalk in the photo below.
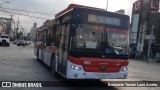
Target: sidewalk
x,y
144,60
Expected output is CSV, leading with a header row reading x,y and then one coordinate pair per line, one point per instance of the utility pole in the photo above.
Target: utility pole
x,y
10,32
17,29
22,32
152,28
150,43
107,5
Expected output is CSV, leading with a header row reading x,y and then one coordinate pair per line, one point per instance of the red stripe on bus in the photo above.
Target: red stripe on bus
x,y
114,30
46,48
96,64
37,46
74,60
76,5
50,49
97,69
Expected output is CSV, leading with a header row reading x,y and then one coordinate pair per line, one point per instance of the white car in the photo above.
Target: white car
x,y
28,42
5,40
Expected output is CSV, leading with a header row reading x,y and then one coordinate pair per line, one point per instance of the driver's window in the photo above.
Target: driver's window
x,y
109,50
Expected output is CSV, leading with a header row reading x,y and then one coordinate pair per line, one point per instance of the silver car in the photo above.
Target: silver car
x,y
21,43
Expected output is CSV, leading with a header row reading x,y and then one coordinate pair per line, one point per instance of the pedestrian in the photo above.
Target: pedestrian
x,y
136,54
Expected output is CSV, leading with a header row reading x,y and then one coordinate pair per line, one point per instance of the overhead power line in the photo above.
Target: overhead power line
x,y
24,14
27,11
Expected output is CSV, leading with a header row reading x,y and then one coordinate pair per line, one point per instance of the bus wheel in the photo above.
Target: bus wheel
x,y
53,65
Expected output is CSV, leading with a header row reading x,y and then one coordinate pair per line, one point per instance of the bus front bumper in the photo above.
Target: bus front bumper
x,y
74,73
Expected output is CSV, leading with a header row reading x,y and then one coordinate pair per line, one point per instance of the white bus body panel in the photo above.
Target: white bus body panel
x,y
35,51
47,58
40,54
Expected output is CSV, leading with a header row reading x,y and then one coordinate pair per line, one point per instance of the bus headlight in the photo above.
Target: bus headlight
x,y
125,68
75,67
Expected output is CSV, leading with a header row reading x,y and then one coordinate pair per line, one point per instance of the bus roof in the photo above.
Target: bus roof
x,y
76,5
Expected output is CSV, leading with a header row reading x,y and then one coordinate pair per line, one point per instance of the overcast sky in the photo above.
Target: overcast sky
x,y
53,7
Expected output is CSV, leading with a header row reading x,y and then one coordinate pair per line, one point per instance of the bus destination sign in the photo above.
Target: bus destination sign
x,y
103,20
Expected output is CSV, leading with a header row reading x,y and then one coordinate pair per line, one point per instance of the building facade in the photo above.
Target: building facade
x,y
33,32
145,18
2,26
7,26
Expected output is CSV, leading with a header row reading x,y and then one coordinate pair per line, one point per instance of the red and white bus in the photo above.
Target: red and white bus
x,y
85,43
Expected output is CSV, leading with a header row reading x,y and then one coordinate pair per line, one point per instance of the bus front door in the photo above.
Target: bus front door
x,y
63,49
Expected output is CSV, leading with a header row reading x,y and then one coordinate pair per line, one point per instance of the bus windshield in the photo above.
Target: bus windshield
x,y
89,37
96,37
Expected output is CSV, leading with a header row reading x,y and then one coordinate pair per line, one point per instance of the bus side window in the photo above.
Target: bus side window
x,y
58,31
67,37
48,39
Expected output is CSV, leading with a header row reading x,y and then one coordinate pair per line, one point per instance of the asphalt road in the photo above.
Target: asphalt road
x,y
20,64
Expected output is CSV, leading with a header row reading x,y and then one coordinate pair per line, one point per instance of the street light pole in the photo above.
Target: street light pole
x,y
107,5
150,43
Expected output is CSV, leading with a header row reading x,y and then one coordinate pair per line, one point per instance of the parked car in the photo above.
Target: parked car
x,y
21,42
15,42
28,42
5,40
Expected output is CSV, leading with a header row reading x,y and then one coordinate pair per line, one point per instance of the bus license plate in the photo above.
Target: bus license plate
x,y
103,76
